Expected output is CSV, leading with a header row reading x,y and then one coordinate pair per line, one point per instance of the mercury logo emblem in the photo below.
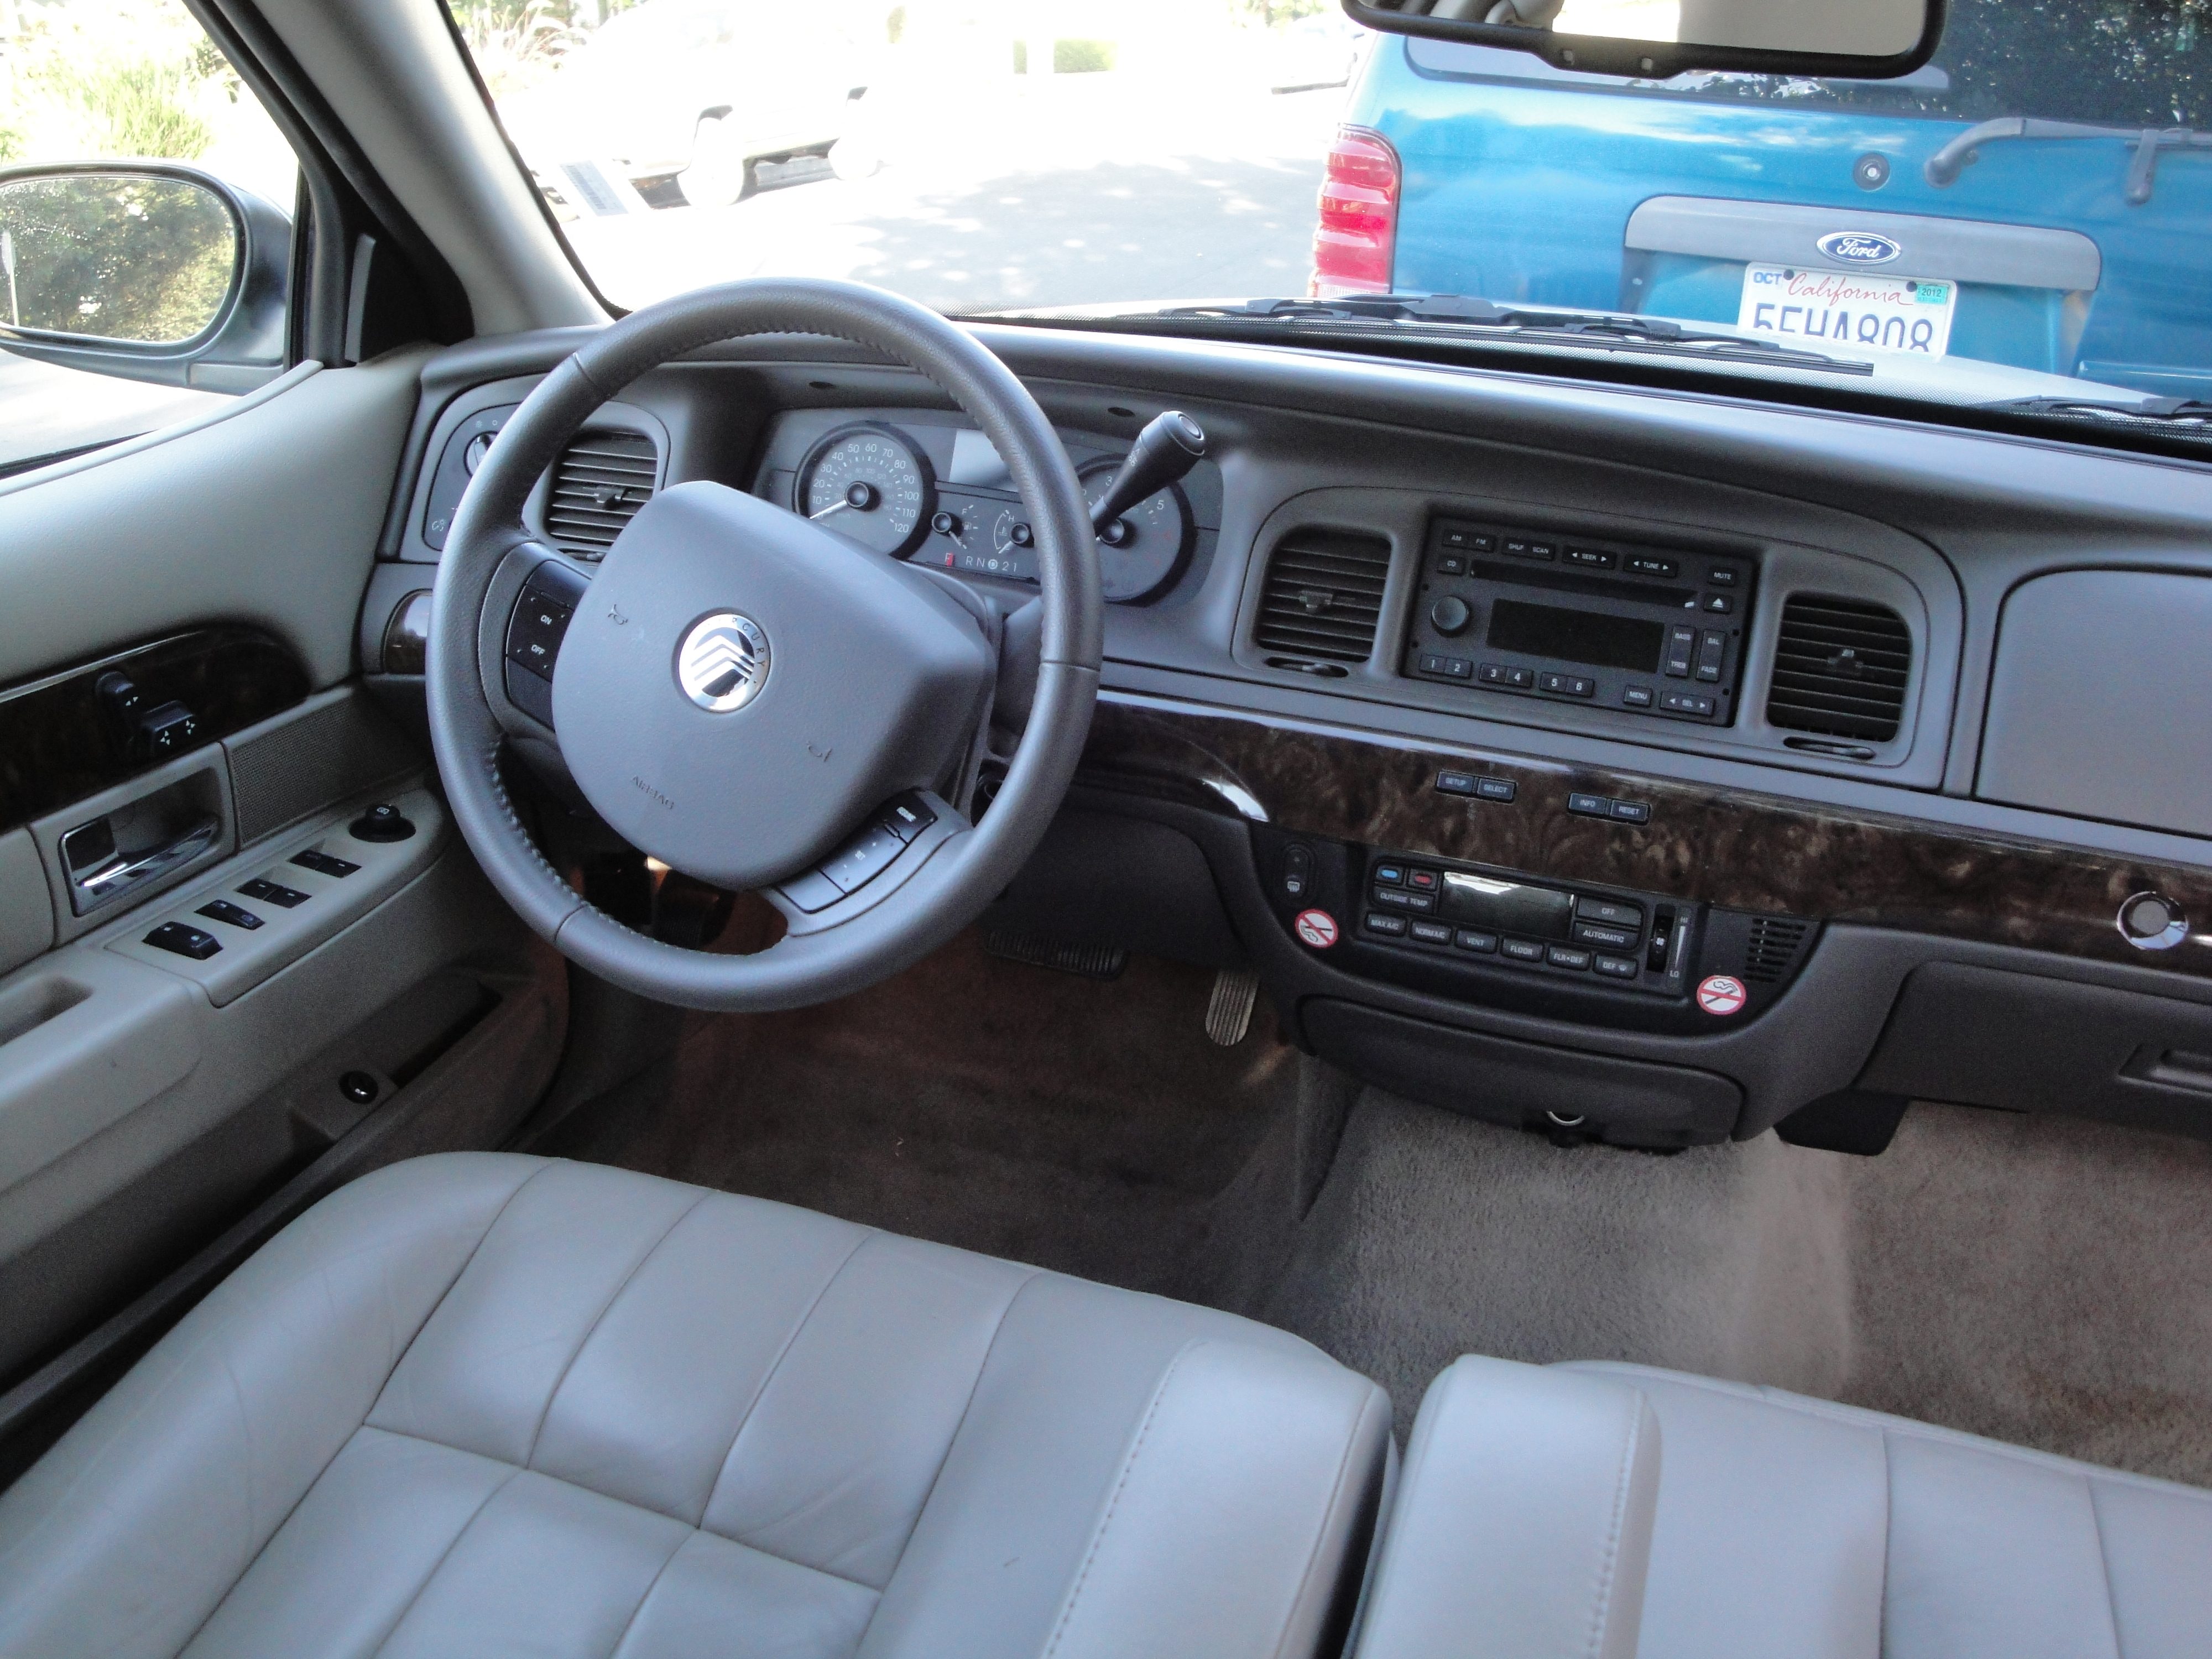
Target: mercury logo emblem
x,y
723,662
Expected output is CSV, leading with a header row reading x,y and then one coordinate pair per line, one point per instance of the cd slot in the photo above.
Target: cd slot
x,y
1566,581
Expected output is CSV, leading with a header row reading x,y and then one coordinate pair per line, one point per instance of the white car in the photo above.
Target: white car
x,y
1319,50
702,91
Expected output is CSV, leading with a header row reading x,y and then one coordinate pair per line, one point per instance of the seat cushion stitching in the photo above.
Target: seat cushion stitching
x,y
1120,1486
2105,1563
953,1440
446,1554
590,1330
563,1479
1609,1561
239,1576
775,1365
623,1634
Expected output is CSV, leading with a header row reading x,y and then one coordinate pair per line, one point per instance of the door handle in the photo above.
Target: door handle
x,y
111,878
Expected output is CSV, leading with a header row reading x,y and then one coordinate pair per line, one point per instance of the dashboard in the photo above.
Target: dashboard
x,y
1695,763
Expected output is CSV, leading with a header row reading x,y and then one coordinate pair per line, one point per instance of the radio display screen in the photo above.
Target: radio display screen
x,y
1584,636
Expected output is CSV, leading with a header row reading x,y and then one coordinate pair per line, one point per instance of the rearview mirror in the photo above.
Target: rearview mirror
x,y
150,271
1652,39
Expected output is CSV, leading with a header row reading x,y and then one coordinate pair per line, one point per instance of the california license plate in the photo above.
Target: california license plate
x,y
1837,308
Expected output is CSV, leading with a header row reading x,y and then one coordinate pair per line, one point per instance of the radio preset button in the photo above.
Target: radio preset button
x,y
1455,668
1500,673
1567,685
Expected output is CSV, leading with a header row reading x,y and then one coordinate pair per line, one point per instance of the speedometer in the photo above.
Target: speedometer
x,y
1144,549
872,484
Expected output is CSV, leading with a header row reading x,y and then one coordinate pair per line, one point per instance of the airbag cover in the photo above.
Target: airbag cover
x,y
740,687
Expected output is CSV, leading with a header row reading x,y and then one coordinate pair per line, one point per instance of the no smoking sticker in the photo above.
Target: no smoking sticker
x,y
1720,995
1316,928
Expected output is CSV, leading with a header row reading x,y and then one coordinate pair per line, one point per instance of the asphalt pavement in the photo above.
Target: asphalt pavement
x,y
1077,189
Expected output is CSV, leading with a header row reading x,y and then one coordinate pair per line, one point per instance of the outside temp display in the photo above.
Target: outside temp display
x,y
1580,636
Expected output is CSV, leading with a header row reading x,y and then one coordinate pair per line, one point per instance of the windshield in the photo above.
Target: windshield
x,y
2024,222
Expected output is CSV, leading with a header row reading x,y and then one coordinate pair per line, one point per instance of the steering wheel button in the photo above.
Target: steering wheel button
x,y
862,859
907,818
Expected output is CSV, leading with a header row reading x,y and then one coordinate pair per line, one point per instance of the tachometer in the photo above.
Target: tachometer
x,y
1144,549
872,484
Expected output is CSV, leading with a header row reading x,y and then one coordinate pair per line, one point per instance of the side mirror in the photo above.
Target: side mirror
x,y
1653,39
145,270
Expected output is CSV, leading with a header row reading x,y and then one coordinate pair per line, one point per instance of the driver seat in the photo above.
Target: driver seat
x,y
482,1403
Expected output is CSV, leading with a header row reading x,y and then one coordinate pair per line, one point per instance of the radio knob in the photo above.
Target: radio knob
x,y
1450,616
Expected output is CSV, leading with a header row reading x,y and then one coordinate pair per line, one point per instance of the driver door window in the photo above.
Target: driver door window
x,y
145,222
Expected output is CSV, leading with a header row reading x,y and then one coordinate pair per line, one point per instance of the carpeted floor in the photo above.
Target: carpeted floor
x,y
2043,1281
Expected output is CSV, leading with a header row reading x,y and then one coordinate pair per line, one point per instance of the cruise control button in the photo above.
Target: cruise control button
x,y
1430,933
182,938
1520,950
1389,927
1474,939
1565,956
909,814
1615,967
862,859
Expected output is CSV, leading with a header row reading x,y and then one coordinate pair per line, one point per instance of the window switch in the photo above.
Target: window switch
x,y
324,864
183,939
236,914
271,892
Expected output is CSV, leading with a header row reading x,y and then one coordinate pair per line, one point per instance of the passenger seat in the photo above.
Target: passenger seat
x,y
1612,1511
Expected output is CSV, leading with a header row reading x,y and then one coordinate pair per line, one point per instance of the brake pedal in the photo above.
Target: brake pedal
x,y
1229,1009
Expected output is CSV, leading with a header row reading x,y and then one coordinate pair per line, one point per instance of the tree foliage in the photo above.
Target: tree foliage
x,y
121,258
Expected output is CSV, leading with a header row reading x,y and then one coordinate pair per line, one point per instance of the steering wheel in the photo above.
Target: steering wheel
x,y
754,700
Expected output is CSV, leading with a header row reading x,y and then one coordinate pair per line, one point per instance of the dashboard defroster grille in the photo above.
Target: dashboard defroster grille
x,y
1773,947
1323,595
1840,669
599,483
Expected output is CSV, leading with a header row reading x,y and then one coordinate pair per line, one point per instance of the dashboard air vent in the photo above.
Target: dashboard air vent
x,y
1322,597
598,484
1840,669
1773,947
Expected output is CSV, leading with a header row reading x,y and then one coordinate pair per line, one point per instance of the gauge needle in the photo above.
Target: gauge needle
x,y
833,507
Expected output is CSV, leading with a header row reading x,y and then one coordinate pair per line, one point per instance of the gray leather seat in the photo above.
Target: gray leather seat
x,y
484,1404
1612,1510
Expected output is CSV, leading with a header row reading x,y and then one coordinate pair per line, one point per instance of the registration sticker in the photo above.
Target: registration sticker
x,y
1831,308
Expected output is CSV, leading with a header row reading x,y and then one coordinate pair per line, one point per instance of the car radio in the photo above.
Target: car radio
x,y
1575,619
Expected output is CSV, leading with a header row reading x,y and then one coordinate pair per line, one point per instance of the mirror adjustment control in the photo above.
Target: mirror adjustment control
x,y
182,938
381,822
324,864
236,914
271,893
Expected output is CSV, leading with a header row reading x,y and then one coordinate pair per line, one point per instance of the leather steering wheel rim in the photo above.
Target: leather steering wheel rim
x,y
960,875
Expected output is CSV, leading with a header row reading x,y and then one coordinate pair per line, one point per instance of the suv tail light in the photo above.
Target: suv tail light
x,y
1357,239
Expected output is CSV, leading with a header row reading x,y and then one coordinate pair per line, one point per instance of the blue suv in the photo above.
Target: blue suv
x,y
2036,196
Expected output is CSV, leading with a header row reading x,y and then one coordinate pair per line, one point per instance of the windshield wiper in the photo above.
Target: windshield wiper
x,y
2178,411
1943,168
1456,311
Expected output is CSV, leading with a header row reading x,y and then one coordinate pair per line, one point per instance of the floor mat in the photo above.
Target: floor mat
x,y
1071,1123
2043,1280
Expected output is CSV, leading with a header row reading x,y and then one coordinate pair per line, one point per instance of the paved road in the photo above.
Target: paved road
x,y
1076,191
45,411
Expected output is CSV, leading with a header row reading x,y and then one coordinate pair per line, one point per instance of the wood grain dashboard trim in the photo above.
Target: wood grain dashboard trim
x,y
1732,848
